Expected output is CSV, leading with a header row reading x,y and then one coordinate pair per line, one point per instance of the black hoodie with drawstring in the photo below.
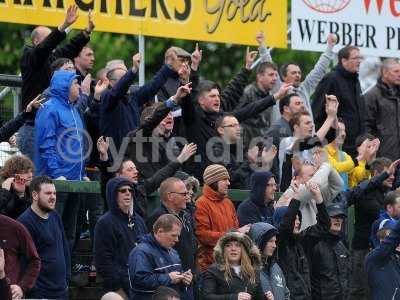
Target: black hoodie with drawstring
x,y
116,234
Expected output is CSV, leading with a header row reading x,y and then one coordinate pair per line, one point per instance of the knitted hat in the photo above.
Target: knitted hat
x,y
214,173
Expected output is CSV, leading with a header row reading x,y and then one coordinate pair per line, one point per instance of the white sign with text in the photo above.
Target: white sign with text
x,y
371,25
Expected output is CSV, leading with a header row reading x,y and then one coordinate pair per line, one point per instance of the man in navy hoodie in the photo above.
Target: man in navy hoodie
x,y
116,234
260,206
383,263
46,229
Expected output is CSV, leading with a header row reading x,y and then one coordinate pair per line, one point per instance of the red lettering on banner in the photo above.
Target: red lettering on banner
x,y
393,8
378,2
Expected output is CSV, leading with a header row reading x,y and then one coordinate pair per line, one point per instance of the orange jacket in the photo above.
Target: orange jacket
x,y
215,215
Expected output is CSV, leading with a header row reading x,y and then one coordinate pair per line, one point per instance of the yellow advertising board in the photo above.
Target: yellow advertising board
x,y
226,21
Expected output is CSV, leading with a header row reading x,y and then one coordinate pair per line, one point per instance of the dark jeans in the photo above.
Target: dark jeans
x,y
92,203
26,140
67,206
359,289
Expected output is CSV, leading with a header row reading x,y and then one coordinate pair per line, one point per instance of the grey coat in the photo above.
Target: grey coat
x,y
271,275
383,118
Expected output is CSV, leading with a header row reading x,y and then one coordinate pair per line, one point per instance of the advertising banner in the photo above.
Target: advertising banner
x,y
371,25
225,21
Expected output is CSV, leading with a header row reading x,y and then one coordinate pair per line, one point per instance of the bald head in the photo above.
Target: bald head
x,y
39,34
111,296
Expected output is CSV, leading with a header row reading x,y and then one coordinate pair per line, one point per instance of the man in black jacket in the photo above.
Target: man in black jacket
x,y
292,243
367,199
344,84
199,116
173,196
330,260
36,60
228,150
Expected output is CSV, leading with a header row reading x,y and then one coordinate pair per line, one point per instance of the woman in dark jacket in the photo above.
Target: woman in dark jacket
x,y
234,274
14,192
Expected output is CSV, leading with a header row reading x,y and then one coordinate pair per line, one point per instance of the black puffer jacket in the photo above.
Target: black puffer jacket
x,y
11,204
367,198
291,248
330,268
383,121
346,87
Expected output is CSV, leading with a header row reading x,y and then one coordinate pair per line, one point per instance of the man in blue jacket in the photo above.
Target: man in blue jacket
x,y
59,143
383,263
117,232
119,110
391,205
155,263
260,206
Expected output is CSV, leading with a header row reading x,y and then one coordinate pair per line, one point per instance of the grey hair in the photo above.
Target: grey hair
x,y
388,63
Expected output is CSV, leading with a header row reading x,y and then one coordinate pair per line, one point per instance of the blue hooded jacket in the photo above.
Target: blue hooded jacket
x,y
116,234
59,133
383,267
254,209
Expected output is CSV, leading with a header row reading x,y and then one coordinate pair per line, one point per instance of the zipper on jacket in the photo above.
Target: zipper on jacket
x,y
80,144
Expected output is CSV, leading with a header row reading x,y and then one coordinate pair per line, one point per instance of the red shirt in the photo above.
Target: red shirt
x,y
19,251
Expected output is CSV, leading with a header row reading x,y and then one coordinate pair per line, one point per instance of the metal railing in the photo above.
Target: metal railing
x,y
11,85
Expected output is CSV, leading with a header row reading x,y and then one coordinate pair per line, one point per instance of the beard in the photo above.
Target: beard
x,y
44,207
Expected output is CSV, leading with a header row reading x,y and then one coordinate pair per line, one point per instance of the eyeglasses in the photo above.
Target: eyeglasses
x,y
124,190
182,194
22,179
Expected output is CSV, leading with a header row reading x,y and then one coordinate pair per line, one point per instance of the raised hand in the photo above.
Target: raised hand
x,y
244,229
35,103
331,40
267,156
196,57
331,106
103,143
188,151
250,58
315,191
90,26
260,38
100,87
184,73
182,92
85,85
70,17
393,167
136,62
283,91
